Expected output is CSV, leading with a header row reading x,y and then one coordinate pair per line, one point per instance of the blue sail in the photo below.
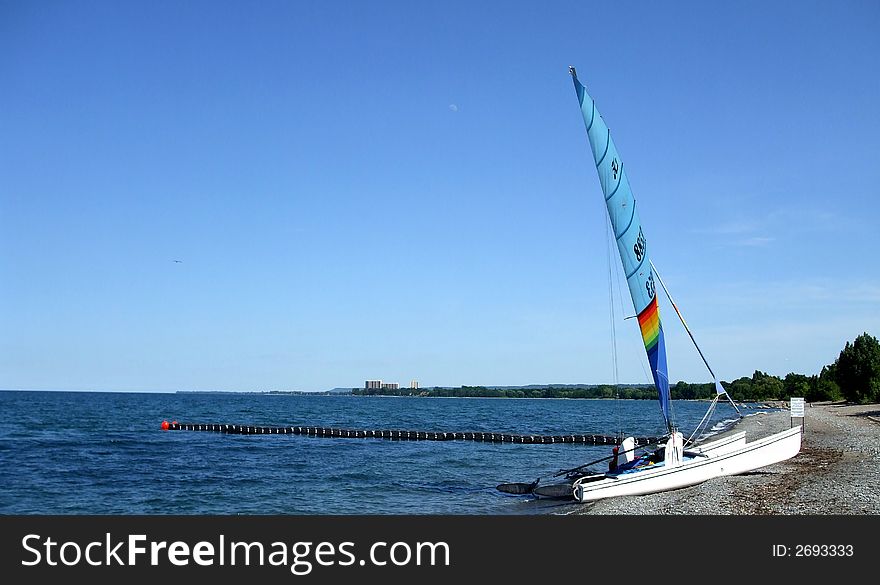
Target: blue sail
x,y
631,242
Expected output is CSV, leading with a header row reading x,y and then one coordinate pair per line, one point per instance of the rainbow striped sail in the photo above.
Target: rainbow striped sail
x,y
631,241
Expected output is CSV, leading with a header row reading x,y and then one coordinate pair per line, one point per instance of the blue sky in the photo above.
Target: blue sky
x,y
405,190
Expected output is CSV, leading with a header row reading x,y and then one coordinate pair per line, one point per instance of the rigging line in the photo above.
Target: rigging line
x,y
611,315
618,273
609,263
631,342
703,420
708,420
691,335
633,347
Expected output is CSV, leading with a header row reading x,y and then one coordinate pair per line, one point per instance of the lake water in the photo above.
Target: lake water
x,y
105,453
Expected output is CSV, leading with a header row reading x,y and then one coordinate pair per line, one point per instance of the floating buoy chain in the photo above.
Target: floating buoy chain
x,y
400,435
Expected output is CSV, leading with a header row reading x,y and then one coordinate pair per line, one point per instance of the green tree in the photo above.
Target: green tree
x,y
606,391
795,385
682,391
858,369
765,386
741,389
824,386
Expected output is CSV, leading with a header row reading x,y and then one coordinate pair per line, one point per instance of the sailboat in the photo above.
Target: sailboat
x,y
673,465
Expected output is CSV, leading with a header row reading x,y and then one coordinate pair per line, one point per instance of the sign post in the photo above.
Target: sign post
x,y
797,410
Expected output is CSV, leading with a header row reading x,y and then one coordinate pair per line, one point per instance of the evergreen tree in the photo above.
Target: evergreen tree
x,y
824,386
858,369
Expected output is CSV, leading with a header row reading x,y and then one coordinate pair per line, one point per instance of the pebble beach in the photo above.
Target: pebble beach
x,y
837,472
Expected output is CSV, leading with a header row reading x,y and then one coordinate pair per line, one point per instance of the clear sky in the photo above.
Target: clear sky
x,y
304,195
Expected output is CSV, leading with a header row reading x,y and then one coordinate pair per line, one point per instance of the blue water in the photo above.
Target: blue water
x,y
104,453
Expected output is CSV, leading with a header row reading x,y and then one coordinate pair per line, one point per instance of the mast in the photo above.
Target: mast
x,y
631,242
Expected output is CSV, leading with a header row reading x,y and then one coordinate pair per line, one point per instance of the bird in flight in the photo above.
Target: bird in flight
x,y
179,261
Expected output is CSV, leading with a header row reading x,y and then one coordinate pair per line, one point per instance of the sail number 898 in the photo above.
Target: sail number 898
x,y
639,246
639,250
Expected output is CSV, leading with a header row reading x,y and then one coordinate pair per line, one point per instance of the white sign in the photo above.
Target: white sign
x,y
797,408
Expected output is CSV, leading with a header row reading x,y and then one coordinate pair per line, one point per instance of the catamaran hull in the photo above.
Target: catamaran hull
x,y
721,446
730,458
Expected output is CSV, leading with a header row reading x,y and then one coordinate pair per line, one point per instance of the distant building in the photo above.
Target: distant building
x,y
414,385
380,385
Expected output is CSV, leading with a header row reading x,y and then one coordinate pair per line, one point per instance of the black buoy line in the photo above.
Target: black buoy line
x,y
399,435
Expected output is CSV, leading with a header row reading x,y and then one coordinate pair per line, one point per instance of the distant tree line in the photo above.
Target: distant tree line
x,y
854,376
600,391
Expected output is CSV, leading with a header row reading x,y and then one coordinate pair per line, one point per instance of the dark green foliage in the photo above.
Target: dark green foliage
x,y
766,387
824,386
858,369
795,385
855,375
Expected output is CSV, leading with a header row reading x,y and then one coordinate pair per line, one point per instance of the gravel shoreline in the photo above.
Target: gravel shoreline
x,y
837,472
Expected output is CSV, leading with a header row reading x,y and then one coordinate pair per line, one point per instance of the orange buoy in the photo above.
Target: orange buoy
x,y
164,425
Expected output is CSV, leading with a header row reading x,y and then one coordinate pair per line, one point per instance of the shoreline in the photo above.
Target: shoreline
x,y
836,473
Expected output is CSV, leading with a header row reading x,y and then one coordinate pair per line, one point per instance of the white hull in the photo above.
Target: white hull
x,y
728,456
720,446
